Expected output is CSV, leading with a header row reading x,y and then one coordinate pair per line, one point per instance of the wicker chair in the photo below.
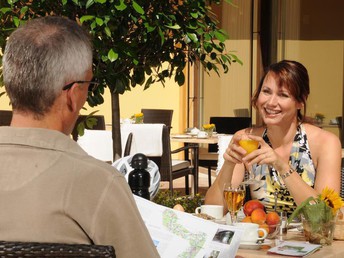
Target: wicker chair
x,y
35,249
171,169
158,116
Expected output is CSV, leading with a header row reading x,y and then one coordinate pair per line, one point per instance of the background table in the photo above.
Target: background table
x,y
190,140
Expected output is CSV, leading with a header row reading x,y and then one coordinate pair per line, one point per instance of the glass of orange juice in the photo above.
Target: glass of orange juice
x,y
249,145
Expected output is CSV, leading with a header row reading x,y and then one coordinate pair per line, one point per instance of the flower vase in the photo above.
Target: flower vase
x,y
320,232
209,132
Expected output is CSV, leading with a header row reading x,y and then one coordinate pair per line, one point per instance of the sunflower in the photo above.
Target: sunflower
x,y
332,199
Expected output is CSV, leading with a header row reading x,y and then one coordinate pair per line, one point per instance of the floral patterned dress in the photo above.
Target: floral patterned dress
x,y
272,184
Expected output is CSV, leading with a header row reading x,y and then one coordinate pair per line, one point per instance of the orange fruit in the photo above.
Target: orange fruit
x,y
272,218
251,205
247,219
258,216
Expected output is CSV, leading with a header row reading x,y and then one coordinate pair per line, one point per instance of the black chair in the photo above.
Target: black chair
x,y
227,125
35,249
5,117
172,169
158,116
100,124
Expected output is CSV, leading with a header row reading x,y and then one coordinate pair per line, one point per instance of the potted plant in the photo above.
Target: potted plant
x,y
319,216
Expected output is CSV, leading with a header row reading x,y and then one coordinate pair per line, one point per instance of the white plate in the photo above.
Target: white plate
x,y
252,246
182,136
192,134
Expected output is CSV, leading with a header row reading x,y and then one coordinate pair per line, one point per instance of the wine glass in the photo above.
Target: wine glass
x,y
234,198
249,145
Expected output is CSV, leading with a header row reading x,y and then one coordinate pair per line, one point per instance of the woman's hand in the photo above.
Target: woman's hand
x,y
234,152
265,155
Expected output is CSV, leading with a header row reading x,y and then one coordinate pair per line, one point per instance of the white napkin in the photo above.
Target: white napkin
x,y
97,143
223,141
147,138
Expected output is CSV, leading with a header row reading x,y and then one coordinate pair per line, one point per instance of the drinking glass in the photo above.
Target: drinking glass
x,y
234,198
249,145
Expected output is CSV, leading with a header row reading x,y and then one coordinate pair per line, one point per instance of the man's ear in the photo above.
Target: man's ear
x,y
72,99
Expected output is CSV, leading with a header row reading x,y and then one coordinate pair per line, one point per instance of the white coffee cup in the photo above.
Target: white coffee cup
x,y
216,211
251,232
202,134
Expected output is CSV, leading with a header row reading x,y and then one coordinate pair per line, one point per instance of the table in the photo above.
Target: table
x,y
334,250
192,141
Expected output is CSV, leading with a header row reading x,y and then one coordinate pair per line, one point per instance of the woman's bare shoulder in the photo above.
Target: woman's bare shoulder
x,y
321,139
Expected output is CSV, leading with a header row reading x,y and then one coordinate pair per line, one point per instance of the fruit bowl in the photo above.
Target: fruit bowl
x,y
274,230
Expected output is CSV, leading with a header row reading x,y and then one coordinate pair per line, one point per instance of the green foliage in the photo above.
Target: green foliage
x,y
189,203
135,42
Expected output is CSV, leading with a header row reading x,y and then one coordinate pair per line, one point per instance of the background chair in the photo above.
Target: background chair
x,y
5,117
34,249
227,125
340,126
158,116
100,125
171,169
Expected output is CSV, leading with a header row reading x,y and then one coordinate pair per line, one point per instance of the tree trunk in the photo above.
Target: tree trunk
x,y
116,127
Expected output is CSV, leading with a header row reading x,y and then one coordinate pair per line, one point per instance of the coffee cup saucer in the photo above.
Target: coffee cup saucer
x,y
250,245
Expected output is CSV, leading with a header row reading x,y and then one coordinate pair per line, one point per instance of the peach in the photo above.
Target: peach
x,y
251,205
272,218
258,216
247,219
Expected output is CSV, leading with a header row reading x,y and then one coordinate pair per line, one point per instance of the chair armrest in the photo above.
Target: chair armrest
x,y
186,147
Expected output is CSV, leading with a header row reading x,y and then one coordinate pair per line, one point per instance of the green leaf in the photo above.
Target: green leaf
x,y
192,36
138,8
122,6
194,15
24,9
180,78
112,55
16,21
221,35
86,18
101,1
5,10
174,27
161,36
89,3
99,21
148,82
107,31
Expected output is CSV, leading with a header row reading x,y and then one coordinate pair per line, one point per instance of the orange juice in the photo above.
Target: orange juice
x,y
249,145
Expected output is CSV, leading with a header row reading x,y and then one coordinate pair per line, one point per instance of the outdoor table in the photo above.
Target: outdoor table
x,y
334,250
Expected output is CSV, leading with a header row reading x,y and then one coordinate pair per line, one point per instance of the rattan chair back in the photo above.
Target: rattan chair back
x,y
35,249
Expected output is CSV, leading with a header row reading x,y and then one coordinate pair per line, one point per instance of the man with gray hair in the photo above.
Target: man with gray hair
x,y
50,189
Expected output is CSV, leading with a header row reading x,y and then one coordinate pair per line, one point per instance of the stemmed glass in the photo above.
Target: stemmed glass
x,y
249,145
234,198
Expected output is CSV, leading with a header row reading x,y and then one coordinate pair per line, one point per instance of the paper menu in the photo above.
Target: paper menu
x,y
180,234
291,248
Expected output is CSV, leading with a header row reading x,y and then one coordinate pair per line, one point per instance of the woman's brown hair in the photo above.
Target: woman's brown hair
x,y
294,76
